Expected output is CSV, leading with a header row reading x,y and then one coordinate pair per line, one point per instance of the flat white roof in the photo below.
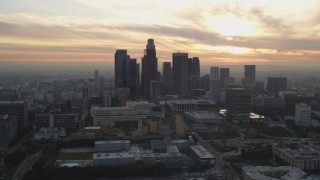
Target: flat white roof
x,y
113,155
113,142
288,172
204,115
201,152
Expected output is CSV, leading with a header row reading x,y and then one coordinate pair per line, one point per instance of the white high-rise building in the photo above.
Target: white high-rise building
x,y
303,115
214,73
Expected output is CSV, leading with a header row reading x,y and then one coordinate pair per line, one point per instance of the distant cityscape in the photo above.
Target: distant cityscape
x,y
177,122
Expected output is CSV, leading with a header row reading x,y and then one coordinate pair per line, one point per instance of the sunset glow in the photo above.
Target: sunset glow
x,y
91,30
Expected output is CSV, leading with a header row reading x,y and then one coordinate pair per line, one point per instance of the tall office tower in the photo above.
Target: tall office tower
x,y
8,130
238,103
180,74
196,67
138,78
167,76
290,101
120,59
149,67
205,82
224,74
215,89
249,74
259,87
303,115
189,67
276,84
215,84
156,89
214,73
131,76
16,108
96,79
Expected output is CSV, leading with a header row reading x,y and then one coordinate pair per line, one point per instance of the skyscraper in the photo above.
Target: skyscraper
x,y
276,84
224,74
249,74
120,59
180,73
238,103
96,79
131,76
215,84
214,73
18,109
8,130
167,76
149,67
194,67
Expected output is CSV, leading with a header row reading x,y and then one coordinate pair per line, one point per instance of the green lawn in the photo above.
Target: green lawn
x,y
75,156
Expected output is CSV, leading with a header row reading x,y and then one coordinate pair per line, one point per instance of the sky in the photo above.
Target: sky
x,y
217,31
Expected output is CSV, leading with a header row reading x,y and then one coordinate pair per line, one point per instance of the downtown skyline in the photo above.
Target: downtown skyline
x,y
219,32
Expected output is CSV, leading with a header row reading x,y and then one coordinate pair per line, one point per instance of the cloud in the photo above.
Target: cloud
x,y
275,25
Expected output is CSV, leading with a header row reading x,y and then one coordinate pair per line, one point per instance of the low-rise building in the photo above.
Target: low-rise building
x,y
304,156
149,125
113,159
190,105
132,112
112,146
202,156
272,173
203,117
49,134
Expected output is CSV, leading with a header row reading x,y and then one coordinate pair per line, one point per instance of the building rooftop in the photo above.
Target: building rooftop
x,y
191,101
11,102
113,155
201,152
204,115
112,142
281,172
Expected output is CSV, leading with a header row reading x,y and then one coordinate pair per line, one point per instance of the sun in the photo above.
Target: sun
x,y
230,25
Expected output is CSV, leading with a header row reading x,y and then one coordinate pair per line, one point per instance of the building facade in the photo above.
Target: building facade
x,y
180,74
149,67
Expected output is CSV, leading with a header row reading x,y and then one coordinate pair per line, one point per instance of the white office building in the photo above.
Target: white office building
x,y
202,156
184,105
132,112
112,146
303,115
113,159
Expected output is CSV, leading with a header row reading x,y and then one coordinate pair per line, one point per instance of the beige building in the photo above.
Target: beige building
x,y
149,125
304,156
180,131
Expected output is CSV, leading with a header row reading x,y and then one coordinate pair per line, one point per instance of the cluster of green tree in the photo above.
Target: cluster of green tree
x,y
274,131
222,148
77,143
301,132
257,154
228,133
61,173
46,160
15,157
270,112
88,121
